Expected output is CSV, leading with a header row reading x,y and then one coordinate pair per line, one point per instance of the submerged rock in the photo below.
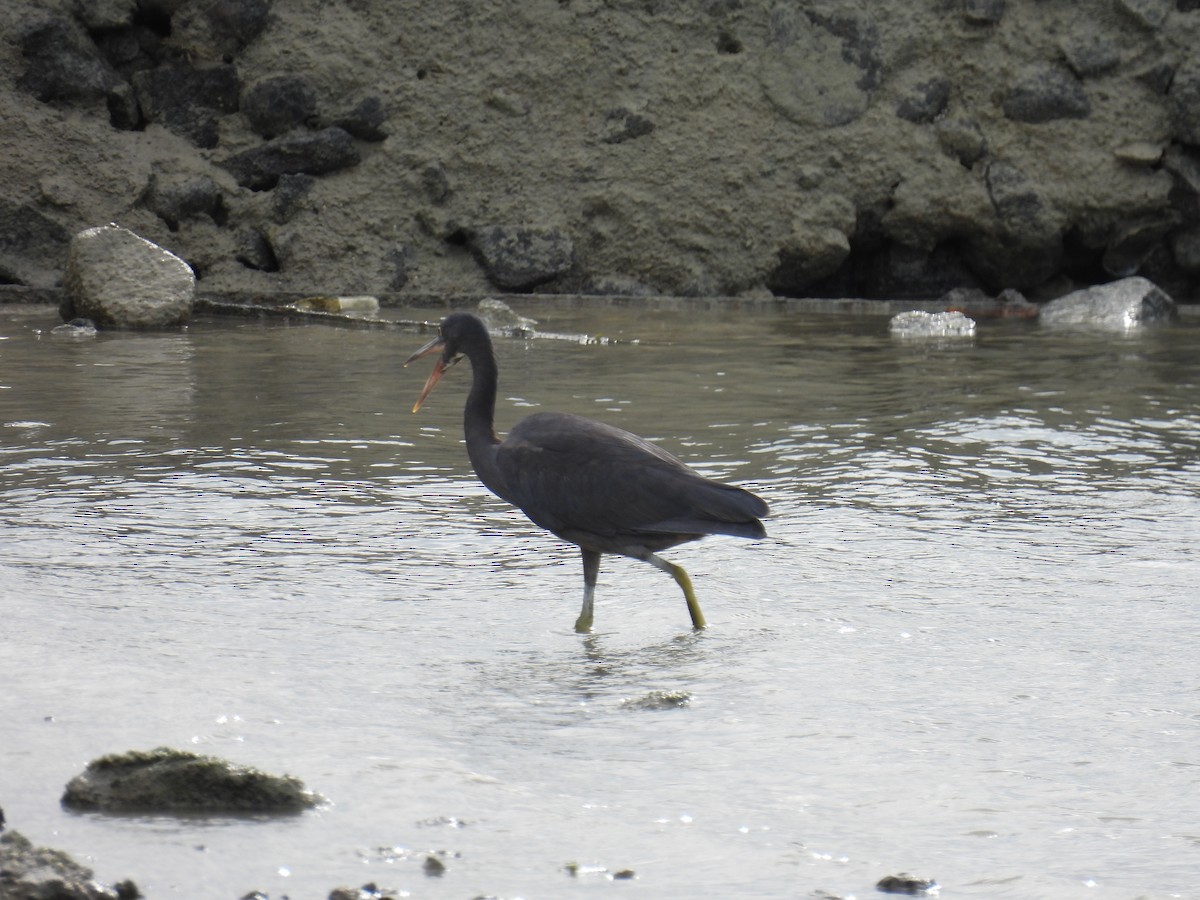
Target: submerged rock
x,y
1116,306
120,280
167,781
906,884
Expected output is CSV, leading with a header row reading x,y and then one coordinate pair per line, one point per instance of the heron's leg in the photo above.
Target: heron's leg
x,y
591,571
681,578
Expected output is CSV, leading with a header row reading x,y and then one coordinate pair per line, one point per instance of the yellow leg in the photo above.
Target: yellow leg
x,y
681,579
591,570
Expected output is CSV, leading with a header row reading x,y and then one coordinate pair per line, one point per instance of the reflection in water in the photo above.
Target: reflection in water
x,y
960,652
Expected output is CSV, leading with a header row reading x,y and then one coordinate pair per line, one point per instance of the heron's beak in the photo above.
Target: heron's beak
x,y
432,347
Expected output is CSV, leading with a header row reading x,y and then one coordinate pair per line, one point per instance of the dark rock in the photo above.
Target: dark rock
x,y
434,867
1185,247
1148,13
983,12
436,183
254,251
118,279
926,101
616,286
622,125
906,884
1026,248
1017,202
1157,76
1091,55
188,100
33,247
1116,306
1184,97
365,121
275,106
810,253
838,90
217,29
519,259
961,139
1133,242
289,193
310,153
37,873
1044,94
130,49
400,260
64,64
174,200
176,782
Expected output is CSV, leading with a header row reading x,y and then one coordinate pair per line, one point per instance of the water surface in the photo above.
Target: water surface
x,y
967,650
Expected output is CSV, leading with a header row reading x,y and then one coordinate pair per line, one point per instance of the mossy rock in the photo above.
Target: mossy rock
x,y
177,782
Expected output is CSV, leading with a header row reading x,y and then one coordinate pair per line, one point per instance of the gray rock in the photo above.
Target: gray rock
x,y
118,279
517,258
1117,306
926,101
38,873
33,246
621,125
175,199
288,195
812,252
983,12
365,121
188,100
1132,243
961,139
1148,13
275,106
1043,94
63,64
176,782
1185,247
1090,54
213,29
1184,97
309,153
820,70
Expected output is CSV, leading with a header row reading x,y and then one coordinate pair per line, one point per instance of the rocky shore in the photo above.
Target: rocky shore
x,y
733,147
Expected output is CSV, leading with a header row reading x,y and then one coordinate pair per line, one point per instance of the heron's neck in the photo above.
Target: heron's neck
x,y
479,418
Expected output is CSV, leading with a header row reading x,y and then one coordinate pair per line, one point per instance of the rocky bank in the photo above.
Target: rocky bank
x,y
725,147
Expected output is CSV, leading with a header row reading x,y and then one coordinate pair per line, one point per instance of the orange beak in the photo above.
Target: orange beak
x,y
434,376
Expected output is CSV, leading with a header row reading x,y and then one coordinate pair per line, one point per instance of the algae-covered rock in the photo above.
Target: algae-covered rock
x,y
179,782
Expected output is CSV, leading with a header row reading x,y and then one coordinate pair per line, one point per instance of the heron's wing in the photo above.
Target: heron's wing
x,y
572,474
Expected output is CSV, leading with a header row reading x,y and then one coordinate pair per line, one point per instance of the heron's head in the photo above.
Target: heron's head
x,y
457,333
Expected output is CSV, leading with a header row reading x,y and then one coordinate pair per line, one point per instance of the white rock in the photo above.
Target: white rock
x,y
1116,306
118,279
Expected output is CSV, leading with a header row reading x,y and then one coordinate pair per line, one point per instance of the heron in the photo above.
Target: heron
x,y
599,487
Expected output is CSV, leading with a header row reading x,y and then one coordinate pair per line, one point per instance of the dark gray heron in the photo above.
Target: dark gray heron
x,y
599,487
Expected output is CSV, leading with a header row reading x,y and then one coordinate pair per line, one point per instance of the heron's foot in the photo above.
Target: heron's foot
x,y
583,625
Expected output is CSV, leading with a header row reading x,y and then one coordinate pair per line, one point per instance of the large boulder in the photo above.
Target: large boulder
x,y
177,782
120,280
1117,306
518,258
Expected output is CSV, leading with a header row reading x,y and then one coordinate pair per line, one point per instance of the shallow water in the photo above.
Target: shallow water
x,y
967,651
